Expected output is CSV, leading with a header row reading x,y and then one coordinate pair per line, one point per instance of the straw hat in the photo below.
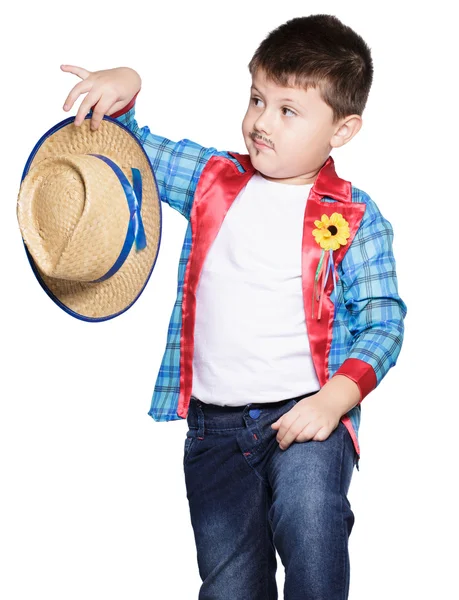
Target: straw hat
x,y
90,217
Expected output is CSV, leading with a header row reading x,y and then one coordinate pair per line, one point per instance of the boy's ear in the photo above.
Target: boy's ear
x,y
349,127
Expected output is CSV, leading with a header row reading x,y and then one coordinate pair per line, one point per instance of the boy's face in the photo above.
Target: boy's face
x,y
296,126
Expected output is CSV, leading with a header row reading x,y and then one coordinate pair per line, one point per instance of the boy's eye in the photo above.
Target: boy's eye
x,y
255,100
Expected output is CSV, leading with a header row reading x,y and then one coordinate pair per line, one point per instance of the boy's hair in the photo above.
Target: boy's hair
x,y
319,51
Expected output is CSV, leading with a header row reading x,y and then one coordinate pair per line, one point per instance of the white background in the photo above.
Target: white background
x,y
92,494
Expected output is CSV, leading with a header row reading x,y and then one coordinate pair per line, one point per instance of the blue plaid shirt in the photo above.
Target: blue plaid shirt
x,y
369,312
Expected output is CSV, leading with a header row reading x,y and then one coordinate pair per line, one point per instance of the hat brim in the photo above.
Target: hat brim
x,y
106,299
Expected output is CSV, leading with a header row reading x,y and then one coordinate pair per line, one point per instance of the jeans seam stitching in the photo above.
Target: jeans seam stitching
x,y
256,472
267,549
342,515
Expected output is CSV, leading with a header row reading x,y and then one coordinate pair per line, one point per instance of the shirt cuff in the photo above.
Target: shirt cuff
x,y
360,373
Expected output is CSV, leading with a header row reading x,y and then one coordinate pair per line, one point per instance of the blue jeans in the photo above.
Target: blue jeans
x,y
248,498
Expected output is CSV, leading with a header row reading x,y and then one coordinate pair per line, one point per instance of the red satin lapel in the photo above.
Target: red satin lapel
x,y
320,331
244,160
218,187
329,184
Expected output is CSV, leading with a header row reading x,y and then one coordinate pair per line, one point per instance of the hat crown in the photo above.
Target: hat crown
x,y
76,219
57,208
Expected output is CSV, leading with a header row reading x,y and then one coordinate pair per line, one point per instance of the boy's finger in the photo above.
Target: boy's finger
x,y
289,436
90,100
322,434
80,88
309,432
282,425
99,111
285,434
79,71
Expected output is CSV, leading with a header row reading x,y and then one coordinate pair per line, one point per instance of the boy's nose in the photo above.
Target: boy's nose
x,y
262,126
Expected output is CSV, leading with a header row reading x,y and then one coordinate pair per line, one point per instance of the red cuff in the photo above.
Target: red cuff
x,y
124,110
360,373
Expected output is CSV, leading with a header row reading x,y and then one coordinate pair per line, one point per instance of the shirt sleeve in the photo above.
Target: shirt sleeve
x,y
177,165
376,311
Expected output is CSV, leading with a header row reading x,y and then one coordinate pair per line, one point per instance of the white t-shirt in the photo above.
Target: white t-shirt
x,y
250,337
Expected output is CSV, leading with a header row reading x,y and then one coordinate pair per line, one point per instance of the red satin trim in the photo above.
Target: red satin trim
x,y
348,424
125,109
361,373
320,330
218,186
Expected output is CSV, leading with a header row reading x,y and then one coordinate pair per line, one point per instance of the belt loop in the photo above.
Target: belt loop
x,y
200,415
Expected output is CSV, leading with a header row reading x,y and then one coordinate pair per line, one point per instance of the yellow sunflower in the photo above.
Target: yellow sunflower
x,y
332,232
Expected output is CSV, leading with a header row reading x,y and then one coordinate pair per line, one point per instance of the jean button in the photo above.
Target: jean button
x,y
254,413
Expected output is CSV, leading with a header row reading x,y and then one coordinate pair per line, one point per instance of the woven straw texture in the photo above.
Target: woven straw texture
x,y
69,235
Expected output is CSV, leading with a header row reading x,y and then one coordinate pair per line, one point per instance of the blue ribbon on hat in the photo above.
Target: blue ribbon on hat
x,y
136,231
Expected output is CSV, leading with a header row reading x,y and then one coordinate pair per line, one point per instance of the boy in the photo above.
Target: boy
x,y
287,313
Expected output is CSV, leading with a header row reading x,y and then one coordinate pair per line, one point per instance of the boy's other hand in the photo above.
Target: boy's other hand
x,y
312,418
316,417
108,91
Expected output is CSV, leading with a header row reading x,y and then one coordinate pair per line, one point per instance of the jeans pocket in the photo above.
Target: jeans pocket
x,y
189,440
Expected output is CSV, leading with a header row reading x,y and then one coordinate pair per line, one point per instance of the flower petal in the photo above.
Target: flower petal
x,y
335,244
335,219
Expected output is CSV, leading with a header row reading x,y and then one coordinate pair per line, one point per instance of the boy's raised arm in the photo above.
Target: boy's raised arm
x,y
177,165
113,92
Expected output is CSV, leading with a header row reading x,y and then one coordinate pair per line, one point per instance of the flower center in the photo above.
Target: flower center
x,y
332,229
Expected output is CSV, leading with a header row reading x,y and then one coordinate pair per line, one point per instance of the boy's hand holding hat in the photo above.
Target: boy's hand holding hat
x,y
108,91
